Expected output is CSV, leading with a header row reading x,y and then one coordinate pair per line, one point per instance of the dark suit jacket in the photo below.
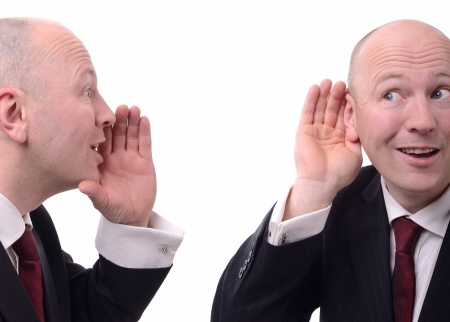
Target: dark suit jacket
x,y
106,292
345,270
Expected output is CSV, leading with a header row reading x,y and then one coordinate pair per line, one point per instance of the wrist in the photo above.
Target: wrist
x,y
308,196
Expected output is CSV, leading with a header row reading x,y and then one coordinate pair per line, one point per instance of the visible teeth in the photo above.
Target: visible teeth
x,y
94,147
417,151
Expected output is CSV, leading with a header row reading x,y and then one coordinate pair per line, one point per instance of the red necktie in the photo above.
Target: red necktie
x,y
404,280
30,269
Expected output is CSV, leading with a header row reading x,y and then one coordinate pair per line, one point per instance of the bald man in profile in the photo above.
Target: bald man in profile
x,y
56,134
331,243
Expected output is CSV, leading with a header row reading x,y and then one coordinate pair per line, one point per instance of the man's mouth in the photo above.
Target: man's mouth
x,y
419,152
94,147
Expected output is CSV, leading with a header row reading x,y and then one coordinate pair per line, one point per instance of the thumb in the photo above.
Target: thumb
x,y
95,192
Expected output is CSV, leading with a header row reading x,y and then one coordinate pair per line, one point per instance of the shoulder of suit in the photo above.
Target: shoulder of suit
x,y
366,176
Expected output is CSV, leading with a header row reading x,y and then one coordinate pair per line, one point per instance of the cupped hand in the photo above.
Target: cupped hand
x,y
325,159
126,192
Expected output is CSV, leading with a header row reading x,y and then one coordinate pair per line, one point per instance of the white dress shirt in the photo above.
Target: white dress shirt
x,y
126,246
434,219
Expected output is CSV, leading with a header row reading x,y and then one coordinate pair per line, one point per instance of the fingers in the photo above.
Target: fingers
x,y
131,132
132,143
335,104
145,139
321,104
119,132
324,104
309,106
106,147
340,117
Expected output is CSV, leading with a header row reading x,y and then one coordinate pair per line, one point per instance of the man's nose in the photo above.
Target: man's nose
x,y
421,117
104,115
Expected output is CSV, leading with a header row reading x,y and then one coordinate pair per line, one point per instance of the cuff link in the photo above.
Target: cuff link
x,y
283,239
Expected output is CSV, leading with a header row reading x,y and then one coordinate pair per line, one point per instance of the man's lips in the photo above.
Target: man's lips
x,y
97,143
419,152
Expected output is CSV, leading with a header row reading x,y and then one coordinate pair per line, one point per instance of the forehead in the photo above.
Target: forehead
x,y
62,50
405,51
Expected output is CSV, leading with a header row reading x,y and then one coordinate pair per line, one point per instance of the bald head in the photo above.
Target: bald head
x,y
21,53
410,34
15,50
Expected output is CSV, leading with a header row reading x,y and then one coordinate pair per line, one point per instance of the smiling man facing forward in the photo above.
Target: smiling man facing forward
x,y
336,241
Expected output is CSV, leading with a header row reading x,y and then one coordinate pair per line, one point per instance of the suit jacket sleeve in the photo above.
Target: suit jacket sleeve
x,y
106,292
263,282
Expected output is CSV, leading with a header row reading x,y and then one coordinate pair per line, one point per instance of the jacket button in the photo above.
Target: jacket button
x,y
245,265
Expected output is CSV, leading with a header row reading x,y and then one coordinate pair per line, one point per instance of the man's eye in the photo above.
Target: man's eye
x,y
440,94
392,96
88,92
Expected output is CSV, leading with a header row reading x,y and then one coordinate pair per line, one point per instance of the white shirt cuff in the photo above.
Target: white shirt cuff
x,y
139,247
295,229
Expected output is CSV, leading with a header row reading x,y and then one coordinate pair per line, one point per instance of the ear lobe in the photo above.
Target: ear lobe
x,y
13,121
351,132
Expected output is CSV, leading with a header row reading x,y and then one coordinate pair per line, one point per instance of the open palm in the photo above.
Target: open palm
x,y
325,159
322,152
126,192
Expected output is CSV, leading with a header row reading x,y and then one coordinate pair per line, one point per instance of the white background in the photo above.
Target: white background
x,y
223,83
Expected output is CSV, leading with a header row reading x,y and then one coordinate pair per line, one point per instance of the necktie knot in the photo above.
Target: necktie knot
x,y
26,247
406,234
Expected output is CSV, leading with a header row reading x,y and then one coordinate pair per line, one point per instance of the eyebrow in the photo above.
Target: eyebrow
x,y
86,71
386,77
442,74
389,76
89,72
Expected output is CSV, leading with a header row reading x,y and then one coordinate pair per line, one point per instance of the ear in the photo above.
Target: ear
x,y
13,120
351,129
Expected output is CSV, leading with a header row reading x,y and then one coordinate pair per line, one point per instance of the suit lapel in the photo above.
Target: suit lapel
x,y
55,282
369,240
51,304
15,305
436,306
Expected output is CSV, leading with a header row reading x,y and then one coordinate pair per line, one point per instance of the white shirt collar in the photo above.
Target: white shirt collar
x,y
12,222
434,217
